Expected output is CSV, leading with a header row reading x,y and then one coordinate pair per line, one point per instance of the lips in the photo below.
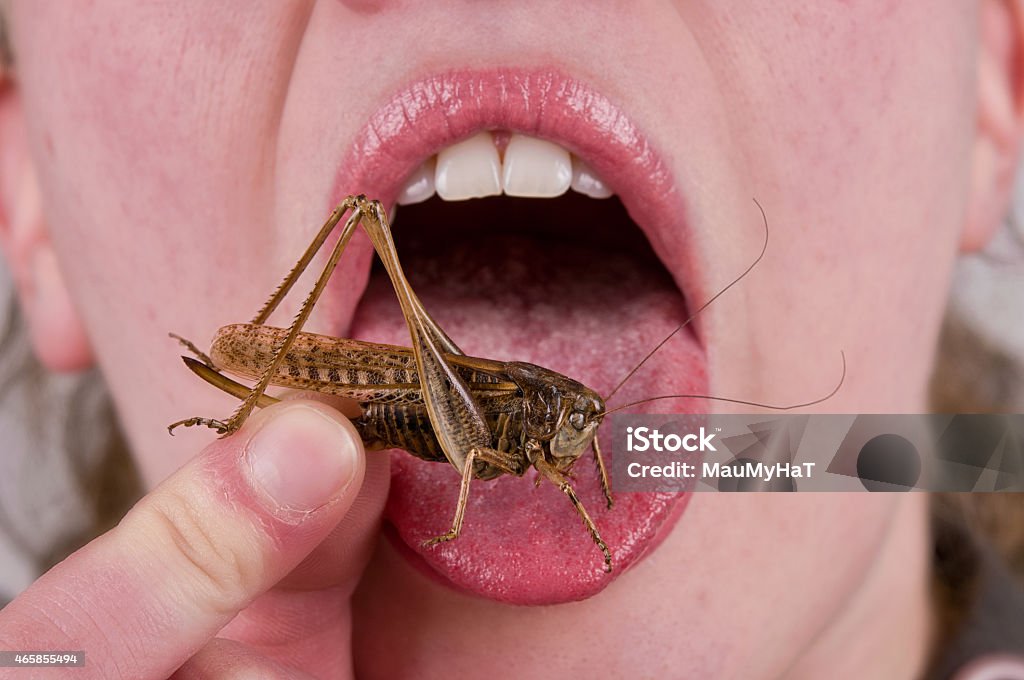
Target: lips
x,y
586,299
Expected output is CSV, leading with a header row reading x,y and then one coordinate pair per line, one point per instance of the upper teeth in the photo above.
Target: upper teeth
x,y
532,168
469,169
420,185
586,181
535,168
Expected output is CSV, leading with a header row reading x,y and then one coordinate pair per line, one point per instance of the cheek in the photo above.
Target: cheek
x,y
790,563
154,160
856,137
146,191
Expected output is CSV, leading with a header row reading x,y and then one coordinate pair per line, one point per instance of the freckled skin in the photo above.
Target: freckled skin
x,y
177,146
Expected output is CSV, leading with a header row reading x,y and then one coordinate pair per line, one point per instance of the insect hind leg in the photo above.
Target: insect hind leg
x,y
348,203
602,472
354,203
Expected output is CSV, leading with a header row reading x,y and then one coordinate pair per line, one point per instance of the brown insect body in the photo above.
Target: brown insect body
x,y
530,410
487,418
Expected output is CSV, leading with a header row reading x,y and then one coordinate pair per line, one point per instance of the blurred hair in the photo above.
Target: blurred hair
x,y
74,443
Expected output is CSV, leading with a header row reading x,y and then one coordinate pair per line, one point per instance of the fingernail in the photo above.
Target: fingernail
x,y
301,459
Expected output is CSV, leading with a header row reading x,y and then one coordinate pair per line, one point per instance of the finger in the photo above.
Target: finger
x,y
338,562
305,621
224,659
144,597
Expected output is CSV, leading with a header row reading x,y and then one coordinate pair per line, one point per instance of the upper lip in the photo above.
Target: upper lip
x,y
439,110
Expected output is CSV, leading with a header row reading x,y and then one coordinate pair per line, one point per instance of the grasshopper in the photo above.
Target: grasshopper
x,y
486,418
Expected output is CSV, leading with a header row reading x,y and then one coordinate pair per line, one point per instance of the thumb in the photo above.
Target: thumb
x,y
199,548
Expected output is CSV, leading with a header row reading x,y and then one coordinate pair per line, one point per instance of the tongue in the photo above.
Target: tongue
x,y
582,308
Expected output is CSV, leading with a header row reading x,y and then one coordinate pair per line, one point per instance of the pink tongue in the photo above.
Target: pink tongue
x,y
588,312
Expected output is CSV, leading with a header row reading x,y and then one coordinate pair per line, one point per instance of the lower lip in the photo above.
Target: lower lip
x,y
525,545
522,591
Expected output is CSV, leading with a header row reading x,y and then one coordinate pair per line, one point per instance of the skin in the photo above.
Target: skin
x,y
156,157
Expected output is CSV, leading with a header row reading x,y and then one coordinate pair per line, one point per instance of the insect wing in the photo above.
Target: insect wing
x,y
457,419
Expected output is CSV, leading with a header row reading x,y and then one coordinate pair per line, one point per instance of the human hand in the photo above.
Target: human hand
x,y
242,561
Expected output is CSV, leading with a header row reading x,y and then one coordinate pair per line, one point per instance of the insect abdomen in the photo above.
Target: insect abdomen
x,y
407,427
399,426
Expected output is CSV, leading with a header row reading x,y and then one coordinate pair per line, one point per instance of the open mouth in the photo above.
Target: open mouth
x,y
533,223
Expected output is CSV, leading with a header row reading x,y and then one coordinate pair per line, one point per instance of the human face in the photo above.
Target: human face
x,y
185,152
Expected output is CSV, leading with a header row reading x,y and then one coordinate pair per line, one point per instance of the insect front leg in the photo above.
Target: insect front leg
x,y
565,487
499,459
602,472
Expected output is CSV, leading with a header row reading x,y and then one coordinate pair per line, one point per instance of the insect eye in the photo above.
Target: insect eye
x,y
576,420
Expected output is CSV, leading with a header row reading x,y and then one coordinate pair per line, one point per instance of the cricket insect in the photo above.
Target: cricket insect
x,y
487,418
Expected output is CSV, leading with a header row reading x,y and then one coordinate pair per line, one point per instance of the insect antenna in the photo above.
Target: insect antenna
x,y
743,402
764,247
